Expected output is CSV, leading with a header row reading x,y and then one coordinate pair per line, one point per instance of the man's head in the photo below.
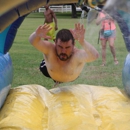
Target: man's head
x,y
64,44
46,6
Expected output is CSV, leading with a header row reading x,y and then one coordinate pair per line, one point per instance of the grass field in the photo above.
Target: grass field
x,y
26,58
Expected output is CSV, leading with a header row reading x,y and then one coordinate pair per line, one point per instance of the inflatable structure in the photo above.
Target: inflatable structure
x,y
26,7
78,107
6,68
6,5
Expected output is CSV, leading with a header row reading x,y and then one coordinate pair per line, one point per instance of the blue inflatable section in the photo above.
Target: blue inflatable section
x,y
8,35
3,37
6,76
6,69
123,20
12,33
126,74
125,28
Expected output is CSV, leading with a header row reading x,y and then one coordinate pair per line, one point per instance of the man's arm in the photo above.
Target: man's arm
x,y
55,20
36,39
89,53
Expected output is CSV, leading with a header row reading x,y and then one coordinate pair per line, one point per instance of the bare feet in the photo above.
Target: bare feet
x,y
116,62
103,64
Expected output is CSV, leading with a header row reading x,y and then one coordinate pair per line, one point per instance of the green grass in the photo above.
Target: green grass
x,y
26,58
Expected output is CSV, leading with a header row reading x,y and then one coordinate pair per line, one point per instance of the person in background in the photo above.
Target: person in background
x,y
63,62
107,23
50,19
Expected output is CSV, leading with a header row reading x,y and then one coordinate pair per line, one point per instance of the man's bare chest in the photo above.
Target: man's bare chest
x,y
48,14
68,68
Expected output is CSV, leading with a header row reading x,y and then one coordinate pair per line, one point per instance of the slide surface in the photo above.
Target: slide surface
x,y
75,107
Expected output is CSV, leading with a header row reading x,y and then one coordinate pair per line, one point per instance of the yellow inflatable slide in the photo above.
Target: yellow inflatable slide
x,y
75,107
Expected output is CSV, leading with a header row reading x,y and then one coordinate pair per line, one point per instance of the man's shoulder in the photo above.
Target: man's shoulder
x,y
77,52
50,10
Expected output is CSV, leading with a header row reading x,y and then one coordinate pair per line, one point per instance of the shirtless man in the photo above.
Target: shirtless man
x,y
49,16
63,61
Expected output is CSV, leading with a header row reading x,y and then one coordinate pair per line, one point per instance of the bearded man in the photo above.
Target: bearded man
x,y
63,61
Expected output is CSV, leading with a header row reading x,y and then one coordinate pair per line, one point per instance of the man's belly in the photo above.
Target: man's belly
x,y
63,77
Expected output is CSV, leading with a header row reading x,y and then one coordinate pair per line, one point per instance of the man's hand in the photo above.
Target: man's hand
x,y
56,28
42,31
78,32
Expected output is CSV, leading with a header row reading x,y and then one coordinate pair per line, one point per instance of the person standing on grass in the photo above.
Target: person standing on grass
x,y
107,23
49,17
63,62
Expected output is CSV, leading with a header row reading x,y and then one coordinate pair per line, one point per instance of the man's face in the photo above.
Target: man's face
x,y
46,7
64,50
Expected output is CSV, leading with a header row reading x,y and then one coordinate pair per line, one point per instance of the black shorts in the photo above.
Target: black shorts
x,y
43,69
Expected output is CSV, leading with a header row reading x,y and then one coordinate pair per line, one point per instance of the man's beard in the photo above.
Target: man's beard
x,y
63,56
